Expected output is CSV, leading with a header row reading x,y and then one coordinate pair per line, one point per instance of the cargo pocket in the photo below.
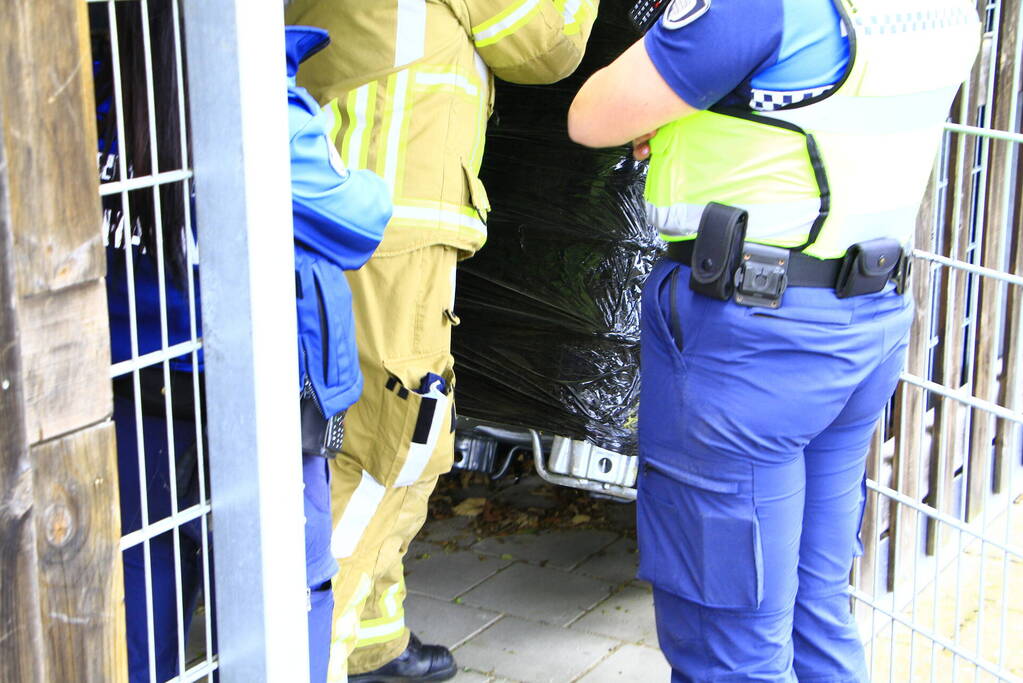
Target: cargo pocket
x,y
699,536
415,420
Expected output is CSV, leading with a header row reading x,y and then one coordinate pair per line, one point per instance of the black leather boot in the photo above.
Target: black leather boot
x,y
417,663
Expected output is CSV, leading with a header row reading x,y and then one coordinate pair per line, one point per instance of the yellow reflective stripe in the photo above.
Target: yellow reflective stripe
x,y
335,111
447,81
356,120
391,158
483,112
380,630
573,12
391,600
345,632
504,23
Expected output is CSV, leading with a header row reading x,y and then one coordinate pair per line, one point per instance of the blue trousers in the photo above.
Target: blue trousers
x,y
754,426
320,566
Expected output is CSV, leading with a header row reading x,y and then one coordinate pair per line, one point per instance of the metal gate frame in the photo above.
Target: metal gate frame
x,y
945,466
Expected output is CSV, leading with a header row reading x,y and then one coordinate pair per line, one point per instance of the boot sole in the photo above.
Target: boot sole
x,y
442,675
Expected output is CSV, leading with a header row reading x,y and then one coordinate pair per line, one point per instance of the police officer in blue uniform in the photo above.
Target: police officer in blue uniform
x,y
790,142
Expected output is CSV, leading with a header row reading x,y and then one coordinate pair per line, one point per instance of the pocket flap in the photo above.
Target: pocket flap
x,y
878,257
477,193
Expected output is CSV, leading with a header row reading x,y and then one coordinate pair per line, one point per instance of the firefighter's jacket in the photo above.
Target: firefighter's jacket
x,y
339,219
410,83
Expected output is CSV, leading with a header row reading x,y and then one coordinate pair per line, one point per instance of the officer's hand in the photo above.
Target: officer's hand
x,y
641,147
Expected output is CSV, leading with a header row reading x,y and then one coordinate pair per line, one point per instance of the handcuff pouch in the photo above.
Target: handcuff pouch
x,y
868,266
717,250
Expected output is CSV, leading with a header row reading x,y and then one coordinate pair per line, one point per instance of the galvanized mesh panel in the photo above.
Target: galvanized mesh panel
x,y
145,189
943,530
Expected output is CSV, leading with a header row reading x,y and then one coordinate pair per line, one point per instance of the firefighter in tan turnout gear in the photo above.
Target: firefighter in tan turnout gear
x,y
410,83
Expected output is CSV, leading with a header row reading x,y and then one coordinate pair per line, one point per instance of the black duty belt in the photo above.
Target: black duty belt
x,y
803,270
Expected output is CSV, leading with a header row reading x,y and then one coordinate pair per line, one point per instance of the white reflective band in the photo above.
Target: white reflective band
x,y
356,517
389,600
410,42
394,131
570,11
380,632
357,123
456,80
483,71
419,453
438,215
766,221
861,115
494,30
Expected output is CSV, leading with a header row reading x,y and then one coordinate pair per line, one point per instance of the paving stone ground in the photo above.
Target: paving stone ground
x,y
554,606
563,606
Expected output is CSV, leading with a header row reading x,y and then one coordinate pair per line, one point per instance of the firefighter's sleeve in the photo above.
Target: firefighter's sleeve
x,y
531,41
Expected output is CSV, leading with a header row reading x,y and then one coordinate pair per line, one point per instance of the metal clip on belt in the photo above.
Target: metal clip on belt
x,y
764,272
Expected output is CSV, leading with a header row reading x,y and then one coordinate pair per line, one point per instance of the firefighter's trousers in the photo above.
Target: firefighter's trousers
x,y
754,427
398,439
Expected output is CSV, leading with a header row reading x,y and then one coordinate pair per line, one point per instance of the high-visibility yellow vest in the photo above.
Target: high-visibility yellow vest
x,y
843,167
410,83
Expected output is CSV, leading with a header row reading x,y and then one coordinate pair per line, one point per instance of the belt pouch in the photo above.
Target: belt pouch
x,y
321,436
867,267
717,250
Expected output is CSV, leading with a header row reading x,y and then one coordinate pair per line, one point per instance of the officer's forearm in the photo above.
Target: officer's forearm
x,y
622,101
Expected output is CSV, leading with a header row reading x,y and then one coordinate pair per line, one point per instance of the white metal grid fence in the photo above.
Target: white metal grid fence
x,y
124,183
935,590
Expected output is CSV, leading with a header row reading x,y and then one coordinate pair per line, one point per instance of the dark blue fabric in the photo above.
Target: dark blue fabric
x,y
340,217
147,308
753,440
736,45
158,481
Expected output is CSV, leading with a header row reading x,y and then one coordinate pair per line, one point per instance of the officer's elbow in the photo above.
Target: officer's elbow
x,y
587,125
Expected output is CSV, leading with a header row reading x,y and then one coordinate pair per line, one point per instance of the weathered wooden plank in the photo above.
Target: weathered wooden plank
x,y
865,577
948,413
50,141
80,578
1007,442
65,345
910,401
21,645
991,297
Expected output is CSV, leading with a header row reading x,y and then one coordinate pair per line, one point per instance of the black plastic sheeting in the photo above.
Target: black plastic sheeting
x,y
549,337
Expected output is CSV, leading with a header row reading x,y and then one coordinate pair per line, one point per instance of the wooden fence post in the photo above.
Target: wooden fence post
x,y
61,589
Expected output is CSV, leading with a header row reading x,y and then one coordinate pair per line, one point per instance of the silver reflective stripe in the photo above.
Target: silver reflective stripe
x,y
767,222
410,41
438,215
358,512
419,454
854,115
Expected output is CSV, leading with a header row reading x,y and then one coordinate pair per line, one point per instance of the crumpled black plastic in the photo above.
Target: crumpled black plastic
x,y
549,337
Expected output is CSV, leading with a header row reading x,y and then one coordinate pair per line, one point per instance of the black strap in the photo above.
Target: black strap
x,y
804,271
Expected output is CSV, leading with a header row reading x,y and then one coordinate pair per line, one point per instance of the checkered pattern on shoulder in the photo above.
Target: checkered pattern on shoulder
x,y
911,21
771,100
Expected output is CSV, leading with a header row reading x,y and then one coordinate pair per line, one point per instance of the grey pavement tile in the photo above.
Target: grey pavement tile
x,y
444,622
467,676
564,549
617,562
541,593
445,574
632,663
627,615
455,529
521,650
531,492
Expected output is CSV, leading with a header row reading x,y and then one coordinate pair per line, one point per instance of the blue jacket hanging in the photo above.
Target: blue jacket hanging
x,y
340,216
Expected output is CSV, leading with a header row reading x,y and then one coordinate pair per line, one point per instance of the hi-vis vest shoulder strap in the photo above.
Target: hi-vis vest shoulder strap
x,y
848,165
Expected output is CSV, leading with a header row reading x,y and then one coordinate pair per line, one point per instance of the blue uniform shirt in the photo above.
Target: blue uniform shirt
x,y
745,54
